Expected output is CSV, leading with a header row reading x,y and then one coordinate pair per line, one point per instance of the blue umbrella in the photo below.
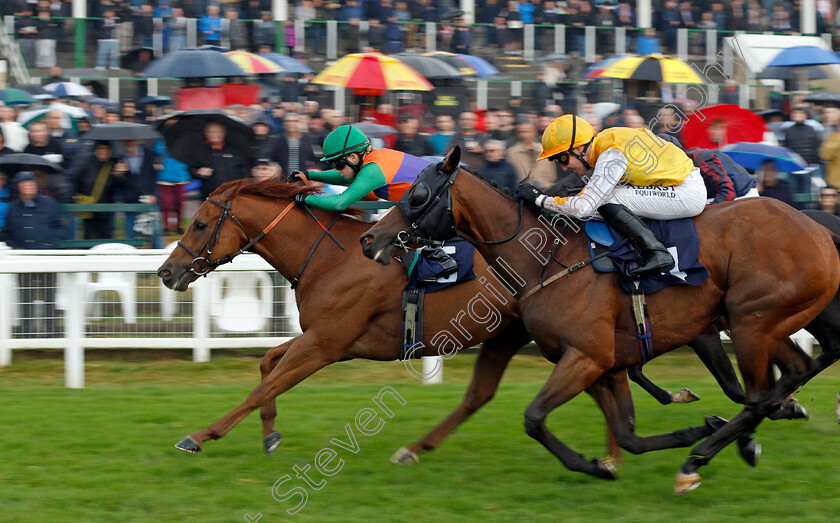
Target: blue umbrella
x,y
804,55
193,63
482,67
154,100
753,155
288,63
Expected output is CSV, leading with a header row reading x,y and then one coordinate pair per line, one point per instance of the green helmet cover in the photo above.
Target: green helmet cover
x,y
344,140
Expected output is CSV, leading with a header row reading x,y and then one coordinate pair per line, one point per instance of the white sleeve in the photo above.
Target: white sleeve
x,y
609,170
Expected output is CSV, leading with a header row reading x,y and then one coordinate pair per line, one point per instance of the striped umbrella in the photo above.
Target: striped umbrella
x,y
482,67
254,64
65,89
597,69
289,64
654,67
373,71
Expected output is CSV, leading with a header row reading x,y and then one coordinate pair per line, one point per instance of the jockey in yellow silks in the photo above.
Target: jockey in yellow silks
x,y
634,173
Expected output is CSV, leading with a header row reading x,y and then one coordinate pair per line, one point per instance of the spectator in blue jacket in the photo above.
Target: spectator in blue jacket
x,y
170,188
34,222
210,26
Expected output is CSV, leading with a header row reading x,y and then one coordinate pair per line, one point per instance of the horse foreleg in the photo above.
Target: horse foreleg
x,y
574,373
302,359
271,438
612,393
491,362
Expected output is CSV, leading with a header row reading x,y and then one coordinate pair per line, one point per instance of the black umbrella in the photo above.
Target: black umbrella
x,y
122,131
33,89
132,56
12,163
154,100
374,130
193,63
429,66
184,132
823,98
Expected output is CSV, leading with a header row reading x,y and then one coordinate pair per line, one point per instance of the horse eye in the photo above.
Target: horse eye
x,y
420,195
200,226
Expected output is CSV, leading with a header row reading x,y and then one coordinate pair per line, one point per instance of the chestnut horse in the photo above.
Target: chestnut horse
x,y
772,271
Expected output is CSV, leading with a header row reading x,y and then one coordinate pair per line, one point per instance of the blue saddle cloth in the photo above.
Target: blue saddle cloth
x,y
678,236
423,269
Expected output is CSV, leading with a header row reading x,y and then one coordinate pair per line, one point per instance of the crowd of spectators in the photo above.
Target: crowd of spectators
x,y
393,25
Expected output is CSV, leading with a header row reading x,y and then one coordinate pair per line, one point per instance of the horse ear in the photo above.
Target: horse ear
x,y
452,160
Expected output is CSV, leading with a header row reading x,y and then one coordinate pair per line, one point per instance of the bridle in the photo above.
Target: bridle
x,y
418,234
201,263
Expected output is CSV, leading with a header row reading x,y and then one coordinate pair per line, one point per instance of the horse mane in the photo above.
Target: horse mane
x,y
274,188
492,183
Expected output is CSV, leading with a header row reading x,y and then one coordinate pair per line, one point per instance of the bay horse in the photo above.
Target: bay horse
x,y
349,306
772,272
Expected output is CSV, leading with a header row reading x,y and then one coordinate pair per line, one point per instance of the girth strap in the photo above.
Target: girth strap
x,y
642,322
412,305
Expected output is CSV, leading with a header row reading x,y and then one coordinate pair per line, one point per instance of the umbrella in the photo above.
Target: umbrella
x,y
132,56
735,124
65,89
812,72
154,100
15,97
71,114
823,98
455,61
193,63
804,55
122,131
373,71
289,64
12,163
428,66
374,130
481,66
184,132
604,109
652,67
753,155
253,64
217,48
595,70
553,57
33,89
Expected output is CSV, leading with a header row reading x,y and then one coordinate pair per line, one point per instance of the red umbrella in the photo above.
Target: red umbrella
x,y
719,125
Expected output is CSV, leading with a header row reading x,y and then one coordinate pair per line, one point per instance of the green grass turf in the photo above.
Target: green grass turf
x,y
106,453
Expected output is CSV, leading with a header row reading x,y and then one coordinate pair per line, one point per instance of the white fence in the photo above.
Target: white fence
x,y
74,300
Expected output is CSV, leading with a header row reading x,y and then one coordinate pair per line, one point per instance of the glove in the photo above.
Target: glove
x,y
300,200
296,176
528,193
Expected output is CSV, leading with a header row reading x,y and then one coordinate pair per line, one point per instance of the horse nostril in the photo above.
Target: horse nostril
x,y
164,273
367,239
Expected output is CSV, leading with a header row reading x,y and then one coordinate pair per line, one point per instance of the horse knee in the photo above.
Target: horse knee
x,y
533,424
629,442
476,400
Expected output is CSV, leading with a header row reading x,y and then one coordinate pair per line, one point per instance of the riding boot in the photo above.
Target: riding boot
x,y
438,255
655,257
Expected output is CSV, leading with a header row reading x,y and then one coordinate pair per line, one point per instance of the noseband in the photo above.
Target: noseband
x,y
202,264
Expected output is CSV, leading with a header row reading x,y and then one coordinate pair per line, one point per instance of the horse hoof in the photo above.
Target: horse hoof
x,y
799,411
188,445
714,423
750,451
404,457
685,396
685,483
272,441
605,469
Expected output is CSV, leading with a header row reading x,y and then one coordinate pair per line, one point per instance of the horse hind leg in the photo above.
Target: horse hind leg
x,y
711,352
491,362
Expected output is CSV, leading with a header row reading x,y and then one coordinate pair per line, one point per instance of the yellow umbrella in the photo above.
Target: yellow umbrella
x,y
252,63
653,67
373,71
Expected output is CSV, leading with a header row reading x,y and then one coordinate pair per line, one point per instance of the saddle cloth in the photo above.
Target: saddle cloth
x,y
679,237
428,273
